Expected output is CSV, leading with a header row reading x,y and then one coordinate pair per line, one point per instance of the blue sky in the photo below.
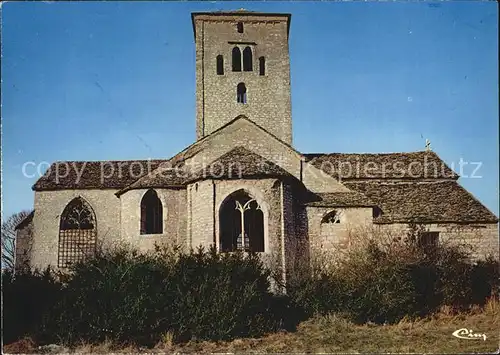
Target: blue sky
x,y
116,80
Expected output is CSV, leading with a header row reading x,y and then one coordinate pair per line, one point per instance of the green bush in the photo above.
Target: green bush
x,y
366,285
27,297
485,280
130,297
125,296
382,283
221,296
378,288
117,296
315,294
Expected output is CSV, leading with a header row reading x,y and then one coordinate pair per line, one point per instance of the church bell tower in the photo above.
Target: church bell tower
x,y
242,68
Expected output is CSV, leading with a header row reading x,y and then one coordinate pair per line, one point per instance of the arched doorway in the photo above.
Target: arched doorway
x,y
241,224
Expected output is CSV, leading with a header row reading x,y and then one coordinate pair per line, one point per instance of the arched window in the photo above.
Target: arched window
x,y
241,224
331,217
247,59
239,27
220,65
151,214
77,233
241,93
236,59
262,66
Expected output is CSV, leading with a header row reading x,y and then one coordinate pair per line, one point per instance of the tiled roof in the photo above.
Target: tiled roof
x,y
418,200
94,174
424,202
108,174
413,165
235,164
239,163
164,176
341,199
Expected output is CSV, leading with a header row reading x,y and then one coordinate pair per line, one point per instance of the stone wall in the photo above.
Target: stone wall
x,y
245,134
290,238
482,237
174,219
201,232
23,247
266,193
49,206
206,198
268,96
328,238
356,223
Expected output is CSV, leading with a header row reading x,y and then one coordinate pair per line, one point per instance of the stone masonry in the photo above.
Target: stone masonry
x,y
306,203
268,95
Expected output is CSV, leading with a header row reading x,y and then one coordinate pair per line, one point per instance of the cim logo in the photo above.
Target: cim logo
x,y
465,333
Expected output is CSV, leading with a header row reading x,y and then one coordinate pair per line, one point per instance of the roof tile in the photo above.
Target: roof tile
x,y
424,202
413,165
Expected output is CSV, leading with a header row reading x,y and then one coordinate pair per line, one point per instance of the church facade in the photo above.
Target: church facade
x,y
242,184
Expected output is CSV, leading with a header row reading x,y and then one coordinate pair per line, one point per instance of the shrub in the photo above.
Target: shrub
x,y
222,296
378,287
116,295
316,294
383,280
27,296
485,280
125,296
453,286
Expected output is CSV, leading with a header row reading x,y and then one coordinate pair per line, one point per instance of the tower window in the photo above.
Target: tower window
x,y
220,65
236,59
239,27
262,66
247,59
241,93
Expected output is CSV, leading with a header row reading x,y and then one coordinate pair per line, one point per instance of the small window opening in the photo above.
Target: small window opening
x,y
220,65
331,217
428,241
241,93
239,27
262,66
236,59
247,59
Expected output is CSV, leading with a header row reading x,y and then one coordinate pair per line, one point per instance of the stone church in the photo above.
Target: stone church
x,y
242,184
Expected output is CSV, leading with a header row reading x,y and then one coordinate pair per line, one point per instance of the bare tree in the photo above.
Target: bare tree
x,y
9,238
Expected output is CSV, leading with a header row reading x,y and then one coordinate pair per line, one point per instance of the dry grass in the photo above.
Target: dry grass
x,y
332,334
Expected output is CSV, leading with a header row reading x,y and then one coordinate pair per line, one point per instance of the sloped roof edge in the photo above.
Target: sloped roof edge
x,y
26,220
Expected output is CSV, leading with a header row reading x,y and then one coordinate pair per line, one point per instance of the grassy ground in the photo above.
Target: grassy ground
x,y
334,335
